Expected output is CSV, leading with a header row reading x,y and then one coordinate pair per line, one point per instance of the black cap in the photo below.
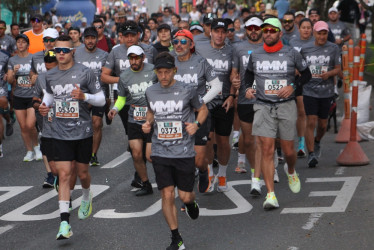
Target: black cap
x,y
163,26
314,11
209,17
231,6
90,31
164,60
36,16
129,28
23,36
219,23
50,56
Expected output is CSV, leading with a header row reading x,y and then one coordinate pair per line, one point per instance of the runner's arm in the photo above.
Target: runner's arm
x,y
249,78
304,77
48,99
120,103
214,91
97,99
106,77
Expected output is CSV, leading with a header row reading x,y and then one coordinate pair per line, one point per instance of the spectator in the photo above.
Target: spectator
x,y
35,35
282,7
349,15
58,27
83,24
184,15
363,20
195,14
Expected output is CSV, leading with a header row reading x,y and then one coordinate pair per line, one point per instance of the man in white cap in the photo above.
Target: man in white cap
x,y
58,27
338,28
83,24
298,16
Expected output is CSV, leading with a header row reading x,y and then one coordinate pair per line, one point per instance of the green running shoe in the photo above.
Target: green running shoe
x,y
293,180
85,209
271,202
65,231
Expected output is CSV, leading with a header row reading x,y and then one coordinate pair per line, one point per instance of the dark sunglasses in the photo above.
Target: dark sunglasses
x,y
63,50
49,40
134,57
182,41
98,27
253,28
270,30
36,20
288,21
231,30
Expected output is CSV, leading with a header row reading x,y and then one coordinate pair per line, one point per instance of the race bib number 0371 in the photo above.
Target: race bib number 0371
x,y
67,109
273,86
171,130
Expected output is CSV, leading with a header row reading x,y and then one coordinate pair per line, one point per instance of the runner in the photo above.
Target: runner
x,y
273,68
72,86
341,32
94,58
4,110
207,22
171,111
290,30
247,144
19,68
194,70
7,42
132,85
75,34
324,62
220,56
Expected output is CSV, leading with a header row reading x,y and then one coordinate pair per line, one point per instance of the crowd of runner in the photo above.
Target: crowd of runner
x,y
182,84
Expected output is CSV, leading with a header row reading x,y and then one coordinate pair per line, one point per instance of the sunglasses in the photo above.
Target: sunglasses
x,y
134,57
231,30
98,27
182,41
49,40
270,30
63,50
36,20
253,28
288,21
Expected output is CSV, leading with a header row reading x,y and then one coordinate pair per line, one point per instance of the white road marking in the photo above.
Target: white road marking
x,y
340,171
313,218
5,228
292,248
117,161
11,192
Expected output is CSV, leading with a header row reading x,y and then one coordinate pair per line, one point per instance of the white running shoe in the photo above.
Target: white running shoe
x,y
255,187
276,177
38,153
29,156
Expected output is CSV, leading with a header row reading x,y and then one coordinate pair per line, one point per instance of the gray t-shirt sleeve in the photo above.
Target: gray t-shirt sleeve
x,y
110,61
196,100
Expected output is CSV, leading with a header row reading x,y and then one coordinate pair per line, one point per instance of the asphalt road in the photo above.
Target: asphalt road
x,y
334,210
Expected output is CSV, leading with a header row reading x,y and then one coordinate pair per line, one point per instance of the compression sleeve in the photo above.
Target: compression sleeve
x,y
48,99
97,99
249,78
304,77
214,91
120,103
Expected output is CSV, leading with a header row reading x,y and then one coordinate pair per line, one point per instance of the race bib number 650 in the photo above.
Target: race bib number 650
x,y
171,130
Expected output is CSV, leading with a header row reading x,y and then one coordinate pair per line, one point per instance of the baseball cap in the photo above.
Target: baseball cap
x,y
273,22
135,49
58,25
129,28
333,9
299,13
219,23
164,60
314,11
50,32
185,33
84,20
163,26
36,16
90,31
196,27
253,21
209,17
320,25
50,56
23,36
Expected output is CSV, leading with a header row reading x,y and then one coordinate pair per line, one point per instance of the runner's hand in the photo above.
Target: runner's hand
x,y
33,79
285,92
236,82
146,127
112,113
191,128
229,103
77,93
43,109
250,94
325,76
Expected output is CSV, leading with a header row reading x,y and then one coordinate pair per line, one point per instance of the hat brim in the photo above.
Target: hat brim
x,y
164,65
130,31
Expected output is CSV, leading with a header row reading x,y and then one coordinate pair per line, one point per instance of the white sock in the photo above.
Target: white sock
x,y
86,194
210,168
235,134
64,206
222,170
241,157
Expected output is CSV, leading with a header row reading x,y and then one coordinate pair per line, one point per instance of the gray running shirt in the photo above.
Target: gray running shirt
x,y
242,53
287,37
8,44
3,68
60,83
93,60
200,38
297,43
24,88
133,85
172,107
38,65
221,61
320,59
339,29
39,90
274,70
195,72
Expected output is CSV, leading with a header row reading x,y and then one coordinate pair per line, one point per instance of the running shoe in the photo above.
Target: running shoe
x,y
276,177
176,244
301,153
293,180
212,181
240,169
136,182
65,231
317,149
38,153
94,162
192,210
145,189
1,151
222,184
203,184
85,209
252,173
49,181
255,187
9,129
301,148
55,183
29,156
271,202
312,160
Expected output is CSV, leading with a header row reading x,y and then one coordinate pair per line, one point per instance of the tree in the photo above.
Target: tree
x,y
371,8
21,6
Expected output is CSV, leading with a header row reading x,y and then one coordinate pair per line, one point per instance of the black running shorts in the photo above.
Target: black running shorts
x,y
20,103
317,106
221,122
46,146
78,150
246,113
135,132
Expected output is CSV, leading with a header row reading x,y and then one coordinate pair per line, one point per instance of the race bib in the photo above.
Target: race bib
x,y
140,113
169,130
317,70
273,86
50,115
67,109
24,81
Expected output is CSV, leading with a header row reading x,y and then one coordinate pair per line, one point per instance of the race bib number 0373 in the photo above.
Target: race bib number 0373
x,y
273,86
171,130
67,109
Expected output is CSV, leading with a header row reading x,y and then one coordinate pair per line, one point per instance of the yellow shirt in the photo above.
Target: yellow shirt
x,y
36,41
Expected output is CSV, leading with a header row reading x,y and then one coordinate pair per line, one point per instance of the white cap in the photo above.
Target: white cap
x,y
135,49
117,3
84,20
333,9
50,32
58,25
300,13
254,21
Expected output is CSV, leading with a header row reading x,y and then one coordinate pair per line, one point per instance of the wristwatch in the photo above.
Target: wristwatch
x,y
198,124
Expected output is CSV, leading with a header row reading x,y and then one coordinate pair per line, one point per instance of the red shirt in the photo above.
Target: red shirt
x,y
102,44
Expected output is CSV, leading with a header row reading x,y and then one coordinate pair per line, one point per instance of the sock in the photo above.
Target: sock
x,y
210,169
235,134
175,233
222,170
64,210
86,194
252,170
50,174
93,154
241,157
256,178
301,140
65,217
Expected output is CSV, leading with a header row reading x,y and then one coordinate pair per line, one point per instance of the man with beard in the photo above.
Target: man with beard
x,y
338,28
290,31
